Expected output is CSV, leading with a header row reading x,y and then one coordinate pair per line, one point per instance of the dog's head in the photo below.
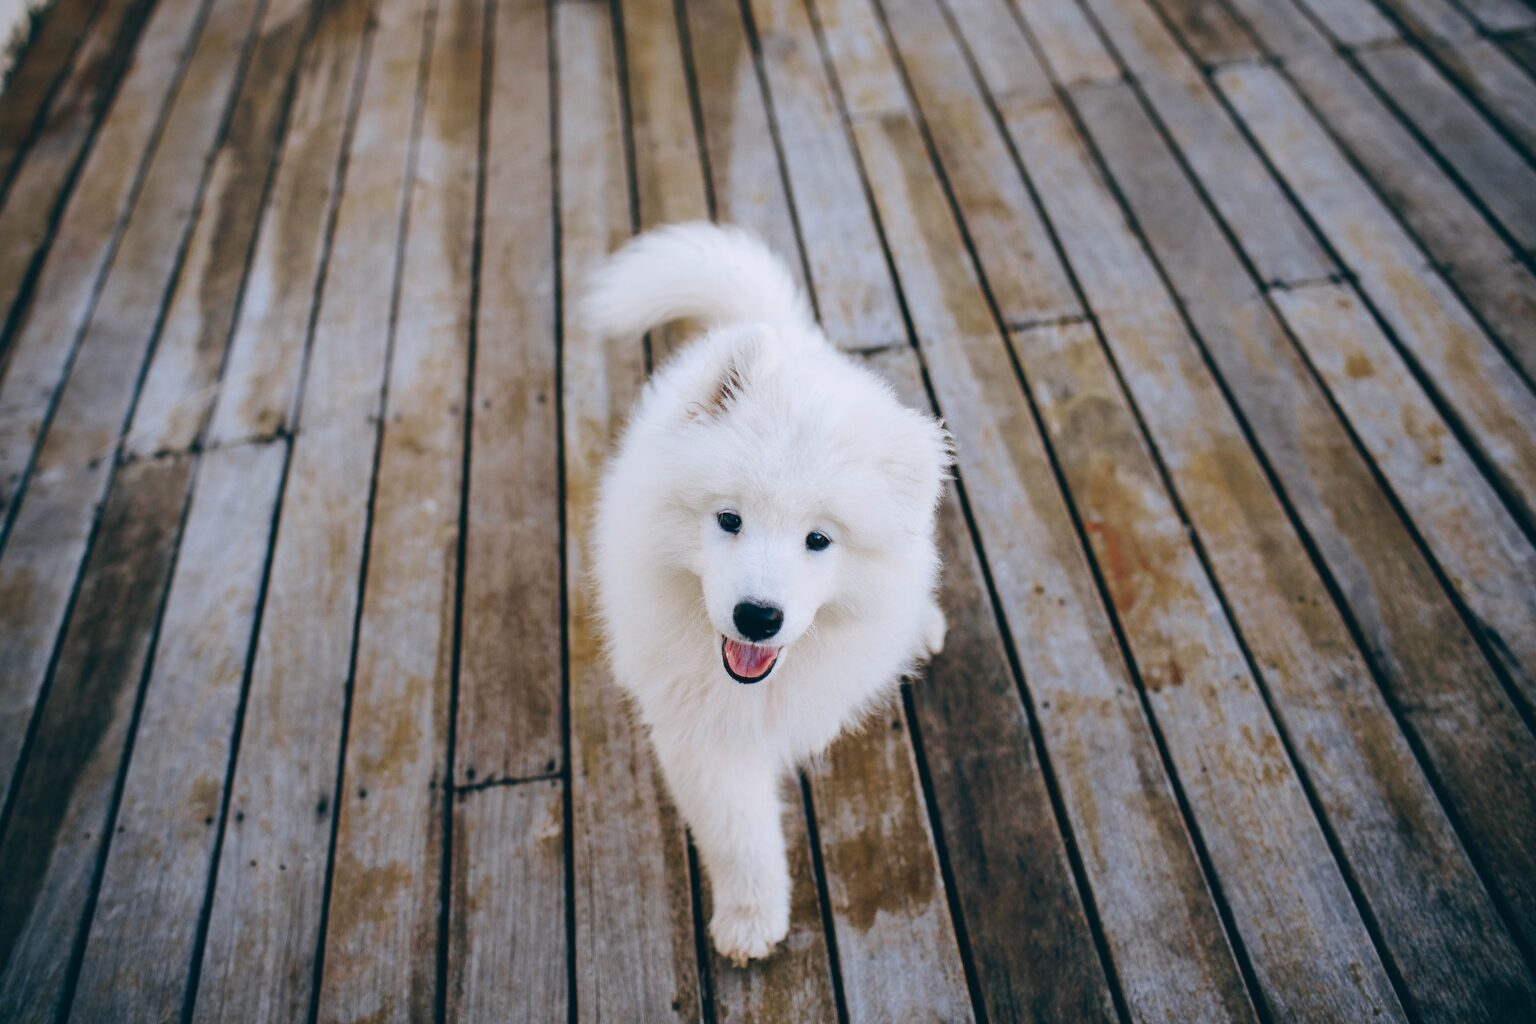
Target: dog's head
x,y
794,480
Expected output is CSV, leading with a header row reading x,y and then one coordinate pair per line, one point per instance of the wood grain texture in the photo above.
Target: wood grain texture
x,y
1480,547
40,186
1029,933
1453,232
1030,284
507,949
381,937
1163,933
1410,631
1467,371
61,812
1072,50
510,674
854,297
258,393
189,357
1490,166
44,334
1260,834
156,876
1250,200
73,463
35,74
635,946
264,926
895,941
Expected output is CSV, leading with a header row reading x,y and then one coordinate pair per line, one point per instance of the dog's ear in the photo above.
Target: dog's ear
x,y
744,352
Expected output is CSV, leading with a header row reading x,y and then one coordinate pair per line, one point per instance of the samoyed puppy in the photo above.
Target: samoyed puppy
x,y
765,556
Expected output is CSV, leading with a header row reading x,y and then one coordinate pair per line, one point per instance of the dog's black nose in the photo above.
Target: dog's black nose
x,y
757,621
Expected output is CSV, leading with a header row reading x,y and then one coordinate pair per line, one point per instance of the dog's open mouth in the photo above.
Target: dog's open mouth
x,y
748,663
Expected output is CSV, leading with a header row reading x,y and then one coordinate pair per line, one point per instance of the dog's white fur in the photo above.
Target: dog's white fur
x,y
763,417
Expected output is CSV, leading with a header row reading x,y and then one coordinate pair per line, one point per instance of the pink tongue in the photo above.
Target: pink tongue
x,y
748,660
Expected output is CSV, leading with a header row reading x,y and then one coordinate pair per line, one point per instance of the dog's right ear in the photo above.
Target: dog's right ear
x,y
743,353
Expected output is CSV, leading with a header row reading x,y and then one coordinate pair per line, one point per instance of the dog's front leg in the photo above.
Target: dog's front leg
x,y
731,803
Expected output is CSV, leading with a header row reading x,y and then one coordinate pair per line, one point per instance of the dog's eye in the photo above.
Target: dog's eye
x,y
817,541
730,522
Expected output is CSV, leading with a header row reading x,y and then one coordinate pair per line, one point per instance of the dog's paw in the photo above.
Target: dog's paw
x,y
934,632
743,932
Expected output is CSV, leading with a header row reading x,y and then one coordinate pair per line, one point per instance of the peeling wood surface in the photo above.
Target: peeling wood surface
x,y
1227,303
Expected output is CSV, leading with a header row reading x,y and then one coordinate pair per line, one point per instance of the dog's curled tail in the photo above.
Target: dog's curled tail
x,y
700,271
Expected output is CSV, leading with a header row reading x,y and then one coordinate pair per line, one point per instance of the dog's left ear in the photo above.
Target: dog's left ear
x,y
745,351
921,454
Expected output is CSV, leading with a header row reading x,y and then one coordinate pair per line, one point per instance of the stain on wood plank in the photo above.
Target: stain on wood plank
x,y
42,64
264,926
381,939
1163,932
1409,628
1029,934
153,885
258,394
44,335
62,809
1453,354
506,954
510,674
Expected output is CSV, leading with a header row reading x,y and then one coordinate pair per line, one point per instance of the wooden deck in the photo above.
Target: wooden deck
x,y
1230,307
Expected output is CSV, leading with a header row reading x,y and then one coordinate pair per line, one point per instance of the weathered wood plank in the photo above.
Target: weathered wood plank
x,y
62,808
867,78
507,949
1480,155
995,39
1492,405
895,941
1031,285
1484,553
31,83
1164,935
1350,22
43,338
189,355
1284,29
264,926
1034,952
1069,46
73,466
1309,948
1436,682
156,876
1210,30
259,389
854,298
744,168
635,950
509,713
1449,227
1489,74
1250,200
381,938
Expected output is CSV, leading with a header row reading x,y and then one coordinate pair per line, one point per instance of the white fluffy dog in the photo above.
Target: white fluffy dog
x,y
765,553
